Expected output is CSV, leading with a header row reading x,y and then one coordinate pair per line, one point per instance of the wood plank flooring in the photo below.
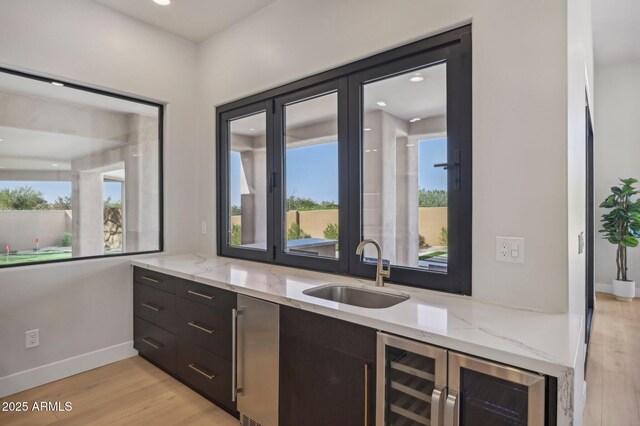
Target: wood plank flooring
x,y
613,369
134,392
129,392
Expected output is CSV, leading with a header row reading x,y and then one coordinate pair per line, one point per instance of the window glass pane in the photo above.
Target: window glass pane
x,y
311,177
79,173
247,182
404,196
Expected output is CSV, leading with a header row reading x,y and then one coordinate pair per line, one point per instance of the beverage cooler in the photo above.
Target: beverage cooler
x,y
418,384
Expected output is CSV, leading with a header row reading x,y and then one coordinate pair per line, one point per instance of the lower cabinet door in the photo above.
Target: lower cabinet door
x,y
206,372
154,343
486,393
321,386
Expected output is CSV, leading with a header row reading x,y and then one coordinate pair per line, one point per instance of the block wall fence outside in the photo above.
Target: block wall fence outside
x,y
20,228
313,222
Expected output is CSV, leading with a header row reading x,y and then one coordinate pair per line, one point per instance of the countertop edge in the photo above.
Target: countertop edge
x,y
521,361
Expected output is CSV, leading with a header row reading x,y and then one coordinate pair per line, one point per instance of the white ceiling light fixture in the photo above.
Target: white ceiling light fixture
x,y
411,144
416,78
381,103
57,83
366,129
55,165
162,2
413,120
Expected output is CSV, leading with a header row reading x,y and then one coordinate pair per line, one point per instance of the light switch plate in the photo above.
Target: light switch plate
x,y
510,249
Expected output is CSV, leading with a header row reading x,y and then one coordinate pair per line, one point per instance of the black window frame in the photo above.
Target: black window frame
x,y
452,47
224,153
281,256
161,118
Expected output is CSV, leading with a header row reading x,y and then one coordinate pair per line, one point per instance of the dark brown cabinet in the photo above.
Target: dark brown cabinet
x,y
185,328
155,344
327,371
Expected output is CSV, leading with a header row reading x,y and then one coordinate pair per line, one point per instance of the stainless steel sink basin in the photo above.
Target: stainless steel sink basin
x,y
356,296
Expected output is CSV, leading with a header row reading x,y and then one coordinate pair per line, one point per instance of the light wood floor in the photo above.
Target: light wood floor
x,y
134,392
129,392
613,368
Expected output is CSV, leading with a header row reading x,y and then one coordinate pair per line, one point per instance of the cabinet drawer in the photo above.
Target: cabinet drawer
x,y
207,295
155,279
155,306
155,343
205,326
206,372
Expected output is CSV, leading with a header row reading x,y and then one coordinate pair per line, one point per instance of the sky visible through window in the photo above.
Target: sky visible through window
x,y
52,190
304,165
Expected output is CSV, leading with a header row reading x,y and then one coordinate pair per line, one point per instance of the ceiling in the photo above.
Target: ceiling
x,y
23,149
28,149
616,32
26,86
194,20
405,100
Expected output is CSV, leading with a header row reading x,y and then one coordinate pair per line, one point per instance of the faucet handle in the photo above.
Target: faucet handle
x,y
385,272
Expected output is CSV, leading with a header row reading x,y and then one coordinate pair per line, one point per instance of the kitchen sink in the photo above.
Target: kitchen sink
x,y
356,296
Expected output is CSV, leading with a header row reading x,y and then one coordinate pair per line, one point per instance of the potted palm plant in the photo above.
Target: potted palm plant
x,y
621,227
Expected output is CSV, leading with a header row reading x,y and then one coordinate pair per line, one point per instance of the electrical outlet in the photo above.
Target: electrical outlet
x,y
32,338
510,249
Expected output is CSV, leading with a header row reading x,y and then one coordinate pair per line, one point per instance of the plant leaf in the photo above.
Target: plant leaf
x,y
629,241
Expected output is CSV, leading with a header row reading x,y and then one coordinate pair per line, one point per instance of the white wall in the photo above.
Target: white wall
x,y
87,305
519,113
617,152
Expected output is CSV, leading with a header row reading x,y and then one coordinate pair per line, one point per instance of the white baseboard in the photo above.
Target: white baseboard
x,y
608,288
28,379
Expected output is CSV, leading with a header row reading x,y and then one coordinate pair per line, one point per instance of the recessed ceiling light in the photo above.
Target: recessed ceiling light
x,y
413,120
417,78
57,83
1,140
55,165
381,103
162,2
367,150
366,129
251,130
375,150
411,144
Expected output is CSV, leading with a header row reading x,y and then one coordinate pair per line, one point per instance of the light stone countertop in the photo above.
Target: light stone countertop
x,y
540,342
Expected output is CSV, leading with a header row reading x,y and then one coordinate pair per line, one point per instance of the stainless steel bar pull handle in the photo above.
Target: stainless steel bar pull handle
x,y
451,410
195,293
234,354
199,327
198,370
438,399
150,343
150,306
153,280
